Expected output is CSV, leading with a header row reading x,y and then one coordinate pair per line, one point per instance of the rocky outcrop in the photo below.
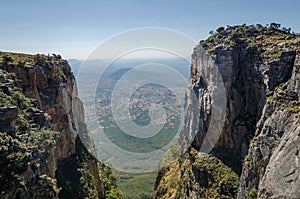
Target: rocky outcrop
x,y
8,116
196,175
271,167
40,120
244,93
53,86
259,137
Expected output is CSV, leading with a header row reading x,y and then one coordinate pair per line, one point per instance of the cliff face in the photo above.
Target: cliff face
x,y
260,70
54,88
42,115
271,167
244,93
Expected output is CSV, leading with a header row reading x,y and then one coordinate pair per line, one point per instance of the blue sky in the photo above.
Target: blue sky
x,y
74,28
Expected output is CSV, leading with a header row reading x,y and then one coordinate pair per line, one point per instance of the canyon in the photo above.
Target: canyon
x,y
241,124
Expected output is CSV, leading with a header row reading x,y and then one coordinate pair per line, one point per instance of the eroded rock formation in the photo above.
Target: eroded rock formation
x,y
40,122
260,136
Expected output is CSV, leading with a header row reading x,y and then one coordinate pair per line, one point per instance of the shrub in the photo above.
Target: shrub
x,y
40,60
6,60
20,100
47,188
87,182
252,193
220,29
114,194
13,162
61,73
275,25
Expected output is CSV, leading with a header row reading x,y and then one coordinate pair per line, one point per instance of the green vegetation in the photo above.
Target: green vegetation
x,y
136,185
171,182
203,173
142,145
16,155
14,159
270,39
44,141
47,188
61,73
295,108
113,194
26,60
171,154
41,60
18,58
16,98
88,185
19,99
252,193
6,59
109,181
221,181
22,125
5,100
87,182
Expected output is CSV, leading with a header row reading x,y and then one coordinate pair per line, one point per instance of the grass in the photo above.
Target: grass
x,y
170,183
19,57
135,185
142,145
22,59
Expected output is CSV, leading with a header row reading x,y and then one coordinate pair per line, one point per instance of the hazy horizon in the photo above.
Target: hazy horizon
x,y
74,29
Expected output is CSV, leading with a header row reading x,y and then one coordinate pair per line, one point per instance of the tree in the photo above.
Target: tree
x,y
56,57
220,29
275,25
287,30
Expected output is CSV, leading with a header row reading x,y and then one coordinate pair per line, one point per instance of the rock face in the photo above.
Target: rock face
x,y
244,92
272,164
260,134
8,116
54,88
41,117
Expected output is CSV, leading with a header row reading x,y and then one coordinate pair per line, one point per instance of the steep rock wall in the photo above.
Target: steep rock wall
x,y
271,167
38,97
54,88
259,139
244,93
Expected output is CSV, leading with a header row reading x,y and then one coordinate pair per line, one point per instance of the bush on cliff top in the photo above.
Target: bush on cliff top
x,y
252,34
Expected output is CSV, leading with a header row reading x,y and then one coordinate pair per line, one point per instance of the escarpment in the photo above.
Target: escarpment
x,y
40,122
258,144
271,167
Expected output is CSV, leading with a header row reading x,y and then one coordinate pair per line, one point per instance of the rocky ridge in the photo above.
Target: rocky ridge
x,y
259,140
40,122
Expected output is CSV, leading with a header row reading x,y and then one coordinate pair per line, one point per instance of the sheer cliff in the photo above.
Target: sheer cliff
x,y
40,122
256,154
